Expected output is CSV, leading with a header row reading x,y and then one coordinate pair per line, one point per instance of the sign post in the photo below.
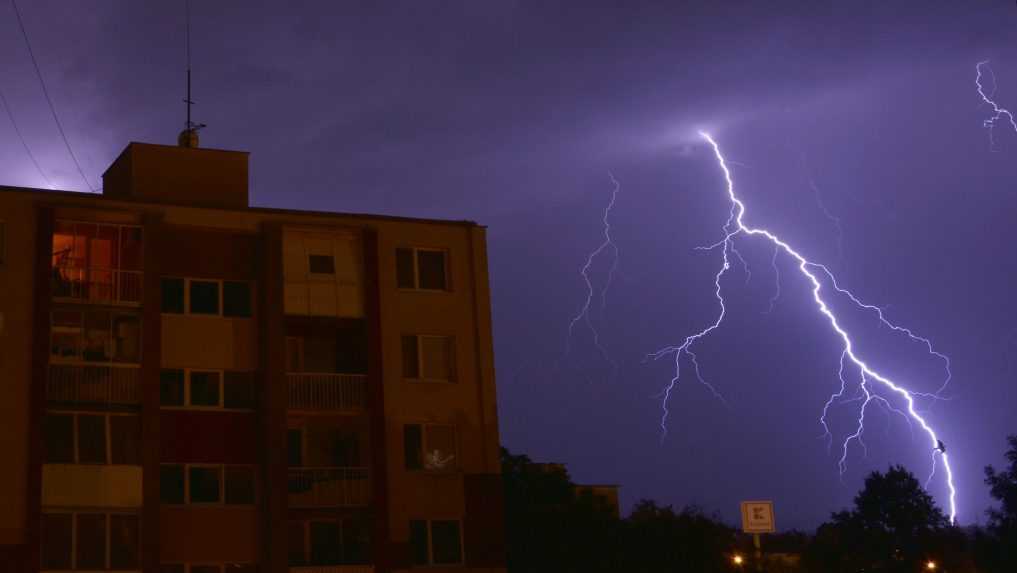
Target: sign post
x,y
757,517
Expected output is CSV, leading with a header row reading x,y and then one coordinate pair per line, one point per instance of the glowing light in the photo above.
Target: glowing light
x,y
999,113
816,274
738,560
606,245
930,565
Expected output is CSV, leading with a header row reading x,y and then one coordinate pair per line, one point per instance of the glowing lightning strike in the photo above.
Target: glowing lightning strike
x,y
998,112
584,312
735,226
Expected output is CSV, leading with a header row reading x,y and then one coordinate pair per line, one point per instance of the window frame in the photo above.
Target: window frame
x,y
424,429
220,285
446,255
108,550
430,543
222,487
420,379
75,441
222,391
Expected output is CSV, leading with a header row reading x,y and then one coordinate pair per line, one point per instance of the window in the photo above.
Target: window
x,y
204,389
323,542
207,484
97,262
321,264
204,297
436,542
207,297
429,358
89,541
208,568
95,336
236,299
430,447
422,269
79,438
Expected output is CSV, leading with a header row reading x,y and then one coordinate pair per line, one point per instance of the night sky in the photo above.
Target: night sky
x,y
513,114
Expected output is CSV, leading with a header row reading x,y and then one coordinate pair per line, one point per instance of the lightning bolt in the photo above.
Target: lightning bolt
x,y
999,113
817,274
607,245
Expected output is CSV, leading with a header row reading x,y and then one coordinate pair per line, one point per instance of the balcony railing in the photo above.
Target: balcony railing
x,y
93,384
111,286
332,569
338,392
329,487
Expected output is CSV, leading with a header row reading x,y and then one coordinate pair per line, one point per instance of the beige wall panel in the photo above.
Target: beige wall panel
x,y
208,342
69,485
191,533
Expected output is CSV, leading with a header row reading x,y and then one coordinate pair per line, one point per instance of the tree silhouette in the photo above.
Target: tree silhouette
x,y
998,548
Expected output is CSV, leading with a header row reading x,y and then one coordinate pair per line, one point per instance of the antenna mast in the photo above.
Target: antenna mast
x,y
189,136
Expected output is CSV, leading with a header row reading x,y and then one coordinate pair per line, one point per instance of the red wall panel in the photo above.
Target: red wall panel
x,y
208,437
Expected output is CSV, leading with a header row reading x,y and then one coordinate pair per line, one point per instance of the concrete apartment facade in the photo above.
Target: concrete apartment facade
x,y
193,385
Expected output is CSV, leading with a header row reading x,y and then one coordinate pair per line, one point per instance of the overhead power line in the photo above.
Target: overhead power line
x,y
10,114
45,92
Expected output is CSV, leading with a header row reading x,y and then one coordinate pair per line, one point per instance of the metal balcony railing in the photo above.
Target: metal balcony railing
x,y
94,384
329,487
111,286
332,569
338,392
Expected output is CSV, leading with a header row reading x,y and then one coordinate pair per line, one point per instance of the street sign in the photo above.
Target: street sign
x,y
757,517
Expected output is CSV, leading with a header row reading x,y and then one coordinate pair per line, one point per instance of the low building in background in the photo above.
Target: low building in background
x,y
195,385
605,495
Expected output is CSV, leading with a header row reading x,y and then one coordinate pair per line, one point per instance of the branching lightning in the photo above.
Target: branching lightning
x,y
607,245
999,114
870,380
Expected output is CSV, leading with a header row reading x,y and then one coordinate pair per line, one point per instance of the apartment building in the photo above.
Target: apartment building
x,y
194,385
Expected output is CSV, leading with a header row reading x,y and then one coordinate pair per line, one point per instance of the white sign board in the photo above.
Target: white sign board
x,y
757,517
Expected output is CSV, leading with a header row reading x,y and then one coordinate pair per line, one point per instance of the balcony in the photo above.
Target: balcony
x,y
327,392
329,487
104,384
332,569
101,286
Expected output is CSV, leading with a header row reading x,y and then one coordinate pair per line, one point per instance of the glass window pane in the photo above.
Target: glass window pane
x,y
125,440
445,542
91,541
204,388
98,344
437,351
127,339
404,268
204,484
236,299
238,390
357,541
418,542
204,297
123,542
413,444
440,448
130,249
431,265
91,439
321,264
295,448
411,363
325,547
56,540
58,436
173,296
240,485
171,484
171,388
295,542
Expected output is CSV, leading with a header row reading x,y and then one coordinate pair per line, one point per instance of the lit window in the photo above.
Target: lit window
x,y
430,447
436,542
429,358
423,269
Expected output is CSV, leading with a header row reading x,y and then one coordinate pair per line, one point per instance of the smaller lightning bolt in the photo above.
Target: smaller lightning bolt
x,y
607,245
999,113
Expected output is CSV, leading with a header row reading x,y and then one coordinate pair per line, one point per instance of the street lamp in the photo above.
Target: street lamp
x,y
738,560
930,565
